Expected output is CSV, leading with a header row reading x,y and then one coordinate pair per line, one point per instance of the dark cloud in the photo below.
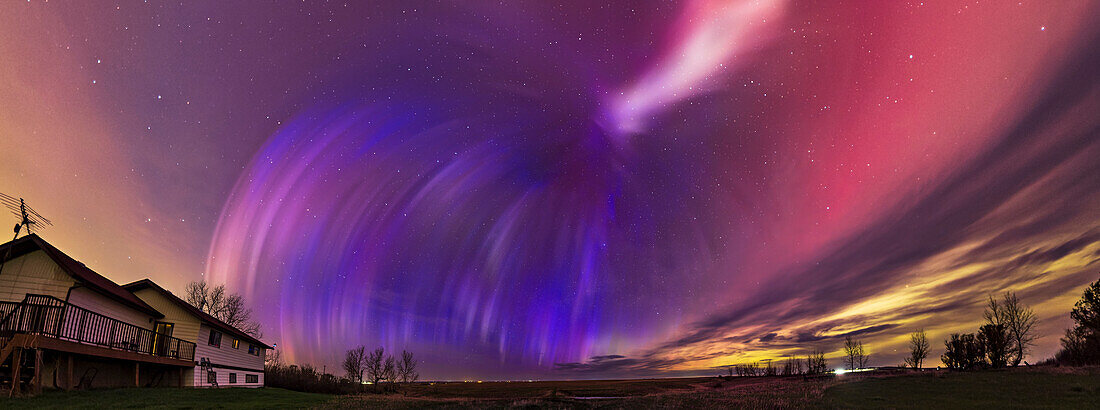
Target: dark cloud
x,y
1029,155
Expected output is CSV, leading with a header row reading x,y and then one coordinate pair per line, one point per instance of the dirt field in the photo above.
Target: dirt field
x,y
940,389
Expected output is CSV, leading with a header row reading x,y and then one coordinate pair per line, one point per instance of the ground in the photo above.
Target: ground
x,y
169,398
1004,389
1015,388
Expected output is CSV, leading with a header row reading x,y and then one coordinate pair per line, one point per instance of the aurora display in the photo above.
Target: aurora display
x,y
527,190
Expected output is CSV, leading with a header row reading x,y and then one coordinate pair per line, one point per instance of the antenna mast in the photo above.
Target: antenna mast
x,y
28,218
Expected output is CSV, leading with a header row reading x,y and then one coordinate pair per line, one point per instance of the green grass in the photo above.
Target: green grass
x,y
169,398
987,389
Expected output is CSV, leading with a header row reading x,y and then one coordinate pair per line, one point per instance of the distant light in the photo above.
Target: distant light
x,y
840,372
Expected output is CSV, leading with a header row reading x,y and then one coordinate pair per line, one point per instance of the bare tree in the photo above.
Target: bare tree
x,y
229,308
862,357
918,349
355,363
815,362
1020,322
406,368
851,353
374,366
235,313
205,297
273,359
856,357
768,370
389,371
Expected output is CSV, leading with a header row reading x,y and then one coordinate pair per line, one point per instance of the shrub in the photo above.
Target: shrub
x,y
995,344
964,351
306,378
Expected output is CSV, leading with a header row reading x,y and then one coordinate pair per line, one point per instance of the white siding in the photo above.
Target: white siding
x,y
35,273
185,325
226,355
97,302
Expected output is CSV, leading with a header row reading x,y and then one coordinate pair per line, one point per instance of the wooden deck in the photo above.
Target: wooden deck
x,y
20,344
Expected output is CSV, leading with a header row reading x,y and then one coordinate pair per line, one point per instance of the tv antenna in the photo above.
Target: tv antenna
x,y
29,219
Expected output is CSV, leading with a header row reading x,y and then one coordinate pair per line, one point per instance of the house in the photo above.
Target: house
x,y
227,356
63,325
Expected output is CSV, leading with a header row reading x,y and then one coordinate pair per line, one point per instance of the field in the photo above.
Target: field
x,y
1027,388
169,398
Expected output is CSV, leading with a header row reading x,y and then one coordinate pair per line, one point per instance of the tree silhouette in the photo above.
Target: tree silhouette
x,y
856,356
815,362
1018,321
355,363
918,349
227,307
964,351
1086,312
994,340
389,370
1081,344
374,366
406,368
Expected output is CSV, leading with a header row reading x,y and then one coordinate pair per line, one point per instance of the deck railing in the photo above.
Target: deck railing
x,y
50,316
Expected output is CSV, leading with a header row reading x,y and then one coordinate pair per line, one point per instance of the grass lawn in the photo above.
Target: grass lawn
x,y
1016,388
986,389
169,398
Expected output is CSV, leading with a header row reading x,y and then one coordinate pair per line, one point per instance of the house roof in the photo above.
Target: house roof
x,y
77,270
205,317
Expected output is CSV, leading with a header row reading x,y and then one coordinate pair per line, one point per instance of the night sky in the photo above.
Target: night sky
x,y
564,190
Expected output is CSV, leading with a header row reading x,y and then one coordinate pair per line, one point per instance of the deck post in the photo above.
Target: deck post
x,y
137,374
16,360
69,371
181,377
37,371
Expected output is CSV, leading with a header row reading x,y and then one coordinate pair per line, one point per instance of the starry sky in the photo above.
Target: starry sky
x,y
520,190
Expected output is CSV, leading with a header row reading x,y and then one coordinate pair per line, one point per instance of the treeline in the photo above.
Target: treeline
x,y
1009,333
381,371
812,364
1004,340
304,378
364,372
855,357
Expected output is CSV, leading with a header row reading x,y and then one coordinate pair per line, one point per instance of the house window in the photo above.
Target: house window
x,y
211,377
215,338
236,343
252,350
251,378
232,378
